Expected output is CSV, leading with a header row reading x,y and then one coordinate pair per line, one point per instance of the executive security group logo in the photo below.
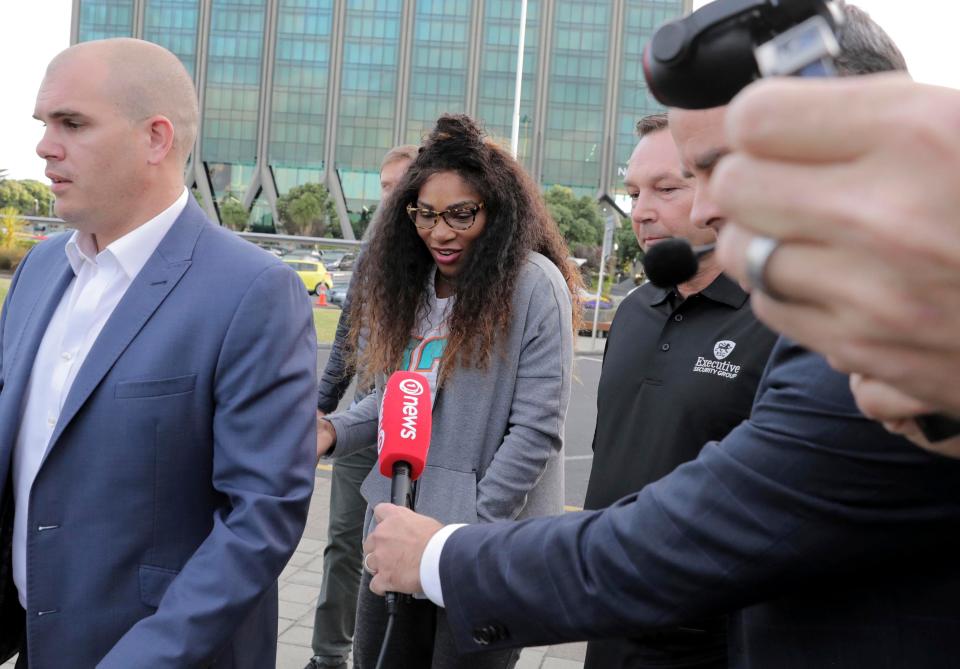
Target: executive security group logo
x,y
719,367
723,348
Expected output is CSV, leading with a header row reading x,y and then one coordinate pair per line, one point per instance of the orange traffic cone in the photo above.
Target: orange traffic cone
x,y
322,296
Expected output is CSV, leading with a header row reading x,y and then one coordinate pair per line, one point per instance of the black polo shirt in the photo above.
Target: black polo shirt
x,y
676,374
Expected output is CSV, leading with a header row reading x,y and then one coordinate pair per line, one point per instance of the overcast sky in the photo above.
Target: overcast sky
x,y
33,31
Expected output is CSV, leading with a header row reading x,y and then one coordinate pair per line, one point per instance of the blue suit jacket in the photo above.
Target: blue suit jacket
x,y
177,480
834,541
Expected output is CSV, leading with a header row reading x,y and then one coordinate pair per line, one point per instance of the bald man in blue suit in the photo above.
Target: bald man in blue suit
x,y
157,426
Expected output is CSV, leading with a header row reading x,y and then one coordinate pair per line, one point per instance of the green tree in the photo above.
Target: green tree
x,y
232,213
578,218
27,196
628,249
41,194
14,194
306,210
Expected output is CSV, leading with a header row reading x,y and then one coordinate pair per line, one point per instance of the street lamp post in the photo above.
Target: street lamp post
x,y
515,130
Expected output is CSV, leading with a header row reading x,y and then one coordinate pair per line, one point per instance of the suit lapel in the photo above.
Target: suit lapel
x,y
158,277
23,352
19,365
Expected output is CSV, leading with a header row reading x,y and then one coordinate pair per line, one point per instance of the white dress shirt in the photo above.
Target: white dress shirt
x,y
430,563
100,282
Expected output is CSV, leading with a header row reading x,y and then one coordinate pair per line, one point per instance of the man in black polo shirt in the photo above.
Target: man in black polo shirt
x,y
680,369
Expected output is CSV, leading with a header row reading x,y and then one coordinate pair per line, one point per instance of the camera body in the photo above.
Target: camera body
x,y
704,59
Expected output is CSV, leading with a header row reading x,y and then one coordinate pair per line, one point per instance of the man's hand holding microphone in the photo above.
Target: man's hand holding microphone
x,y
394,549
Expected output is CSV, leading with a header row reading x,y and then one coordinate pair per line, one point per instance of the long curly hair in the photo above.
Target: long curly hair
x,y
389,294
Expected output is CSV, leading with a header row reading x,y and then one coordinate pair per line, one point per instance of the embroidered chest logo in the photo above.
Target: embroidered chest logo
x,y
719,367
723,348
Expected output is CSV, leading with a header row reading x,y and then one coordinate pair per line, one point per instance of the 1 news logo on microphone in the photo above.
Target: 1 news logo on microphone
x,y
412,389
405,417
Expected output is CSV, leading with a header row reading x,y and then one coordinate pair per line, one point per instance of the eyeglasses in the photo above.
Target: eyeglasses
x,y
459,218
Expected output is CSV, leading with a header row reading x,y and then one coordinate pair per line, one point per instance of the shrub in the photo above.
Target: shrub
x,y
10,257
10,223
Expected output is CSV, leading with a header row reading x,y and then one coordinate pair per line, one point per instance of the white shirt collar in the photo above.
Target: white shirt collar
x,y
132,250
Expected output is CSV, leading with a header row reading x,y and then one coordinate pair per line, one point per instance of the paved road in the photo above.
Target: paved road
x,y
581,418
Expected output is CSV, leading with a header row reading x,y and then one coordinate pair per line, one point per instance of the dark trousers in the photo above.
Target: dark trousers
x,y
22,662
421,637
336,611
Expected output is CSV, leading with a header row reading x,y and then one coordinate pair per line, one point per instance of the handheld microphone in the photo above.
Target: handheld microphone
x,y
403,437
403,440
673,261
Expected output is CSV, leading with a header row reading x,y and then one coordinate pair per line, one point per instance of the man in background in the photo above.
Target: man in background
x,y
680,369
335,615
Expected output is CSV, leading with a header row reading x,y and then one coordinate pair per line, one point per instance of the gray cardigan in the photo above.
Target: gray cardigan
x,y
497,437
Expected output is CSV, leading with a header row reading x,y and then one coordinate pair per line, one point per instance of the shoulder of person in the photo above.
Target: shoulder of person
x,y
52,247
539,270
245,255
643,293
541,289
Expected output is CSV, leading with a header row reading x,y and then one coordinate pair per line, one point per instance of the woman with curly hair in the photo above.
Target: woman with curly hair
x,y
467,282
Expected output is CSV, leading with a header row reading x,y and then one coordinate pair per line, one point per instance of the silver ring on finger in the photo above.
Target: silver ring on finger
x,y
757,256
366,565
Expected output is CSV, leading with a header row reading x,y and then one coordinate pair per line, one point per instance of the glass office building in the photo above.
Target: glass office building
x,y
297,91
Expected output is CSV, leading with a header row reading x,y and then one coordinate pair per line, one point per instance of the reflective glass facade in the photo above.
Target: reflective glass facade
x,y
441,45
498,71
640,22
318,90
231,111
105,18
577,94
300,84
368,94
173,24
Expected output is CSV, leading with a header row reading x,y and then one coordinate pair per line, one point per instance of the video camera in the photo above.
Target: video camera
x,y
706,58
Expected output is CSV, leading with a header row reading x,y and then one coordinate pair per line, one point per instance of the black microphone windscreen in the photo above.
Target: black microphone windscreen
x,y
670,262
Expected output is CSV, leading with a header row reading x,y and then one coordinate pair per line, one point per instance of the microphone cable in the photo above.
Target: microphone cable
x,y
393,605
391,618
402,443
400,493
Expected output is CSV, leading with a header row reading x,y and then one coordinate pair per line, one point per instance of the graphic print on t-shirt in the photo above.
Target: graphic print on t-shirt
x,y
428,340
423,354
